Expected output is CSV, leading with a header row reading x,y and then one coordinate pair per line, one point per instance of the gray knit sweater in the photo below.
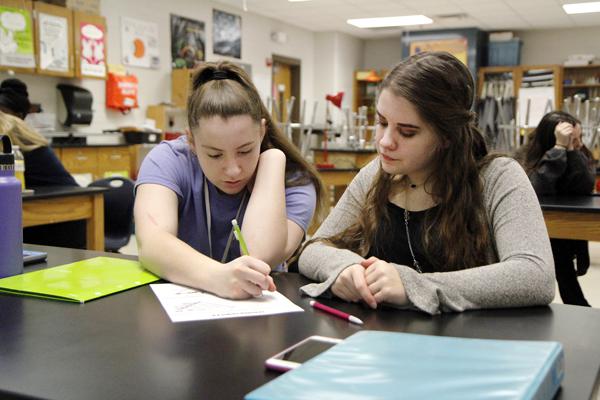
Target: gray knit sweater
x,y
520,271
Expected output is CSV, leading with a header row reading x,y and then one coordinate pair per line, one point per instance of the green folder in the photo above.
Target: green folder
x,y
80,281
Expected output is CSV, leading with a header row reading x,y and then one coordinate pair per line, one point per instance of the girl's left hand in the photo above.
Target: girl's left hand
x,y
384,282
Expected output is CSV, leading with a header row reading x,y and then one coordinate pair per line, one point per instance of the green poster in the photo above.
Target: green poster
x,y
16,38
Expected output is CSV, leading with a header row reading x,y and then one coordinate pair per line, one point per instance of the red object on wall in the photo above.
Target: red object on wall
x,y
121,92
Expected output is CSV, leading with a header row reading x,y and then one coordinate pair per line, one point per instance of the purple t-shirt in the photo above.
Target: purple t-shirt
x,y
173,165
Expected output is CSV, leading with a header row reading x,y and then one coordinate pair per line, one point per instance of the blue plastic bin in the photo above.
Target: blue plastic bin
x,y
504,53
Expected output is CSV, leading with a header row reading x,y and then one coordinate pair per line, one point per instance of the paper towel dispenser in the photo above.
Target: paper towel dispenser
x,y
74,105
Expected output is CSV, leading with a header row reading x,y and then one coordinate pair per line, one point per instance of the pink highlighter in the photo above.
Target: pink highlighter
x,y
337,313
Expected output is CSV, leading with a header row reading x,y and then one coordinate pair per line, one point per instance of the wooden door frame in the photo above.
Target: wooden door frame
x,y
295,69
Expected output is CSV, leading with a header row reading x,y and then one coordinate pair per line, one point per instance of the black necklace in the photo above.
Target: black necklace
x,y
406,218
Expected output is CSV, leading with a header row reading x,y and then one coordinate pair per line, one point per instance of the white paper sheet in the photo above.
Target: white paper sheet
x,y
185,304
541,102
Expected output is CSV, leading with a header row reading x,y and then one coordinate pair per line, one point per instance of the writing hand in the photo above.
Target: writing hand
x,y
243,278
351,285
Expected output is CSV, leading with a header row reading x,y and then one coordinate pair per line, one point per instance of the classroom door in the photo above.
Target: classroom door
x,y
282,88
285,83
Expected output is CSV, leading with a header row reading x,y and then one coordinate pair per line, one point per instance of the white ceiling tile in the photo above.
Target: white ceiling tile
x,y
331,15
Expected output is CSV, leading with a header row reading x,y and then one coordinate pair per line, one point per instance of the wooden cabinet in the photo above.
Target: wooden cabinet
x,y
365,91
517,75
113,161
583,79
96,162
79,160
181,84
167,118
346,159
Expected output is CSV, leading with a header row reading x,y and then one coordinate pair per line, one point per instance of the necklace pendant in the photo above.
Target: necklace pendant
x,y
417,266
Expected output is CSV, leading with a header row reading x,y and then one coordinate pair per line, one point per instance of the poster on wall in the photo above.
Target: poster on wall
x,y
187,42
92,50
227,34
457,47
139,43
16,38
54,42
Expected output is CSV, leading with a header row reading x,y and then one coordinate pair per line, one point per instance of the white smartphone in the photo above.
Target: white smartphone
x,y
295,355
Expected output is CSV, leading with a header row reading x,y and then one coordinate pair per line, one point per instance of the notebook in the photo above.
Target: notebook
x,y
390,365
80,281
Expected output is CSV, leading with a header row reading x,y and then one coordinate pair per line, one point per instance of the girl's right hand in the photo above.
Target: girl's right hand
x,y
243,278
351,285
564,135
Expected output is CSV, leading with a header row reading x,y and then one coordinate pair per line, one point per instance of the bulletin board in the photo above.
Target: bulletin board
x,y
451,40
53,39
89,32
17,47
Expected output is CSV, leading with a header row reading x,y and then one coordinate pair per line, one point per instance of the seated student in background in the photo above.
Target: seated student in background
x,y
557,162
434,223
42,166
233,164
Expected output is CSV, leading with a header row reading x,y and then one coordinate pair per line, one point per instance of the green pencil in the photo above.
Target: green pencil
x,y
240,238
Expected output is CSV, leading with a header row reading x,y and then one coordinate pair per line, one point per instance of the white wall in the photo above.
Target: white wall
x,y
337,56
382,53
552,46
155,85
548,46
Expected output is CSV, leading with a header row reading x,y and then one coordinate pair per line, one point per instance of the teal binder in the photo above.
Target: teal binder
x,y
388,365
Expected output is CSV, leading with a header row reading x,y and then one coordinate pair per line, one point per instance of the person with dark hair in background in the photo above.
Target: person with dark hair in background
x,y
14,98
434,223
42,167
558,163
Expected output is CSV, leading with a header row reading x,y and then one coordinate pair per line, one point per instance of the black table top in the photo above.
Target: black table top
x,y
45,192
344,150
338,169
587,204
124,346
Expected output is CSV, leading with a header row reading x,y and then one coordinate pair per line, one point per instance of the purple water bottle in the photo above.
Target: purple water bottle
x,y
11,230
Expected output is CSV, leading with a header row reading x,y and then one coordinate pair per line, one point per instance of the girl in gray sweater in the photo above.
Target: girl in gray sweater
x,y
434,223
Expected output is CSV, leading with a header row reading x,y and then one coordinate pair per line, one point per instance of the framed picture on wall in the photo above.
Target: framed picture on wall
x,y
90,45
227,34
16,36
187,42
457,47
139,43
466,44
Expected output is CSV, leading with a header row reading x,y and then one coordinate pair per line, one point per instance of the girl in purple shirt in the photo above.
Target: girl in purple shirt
x,y
234,163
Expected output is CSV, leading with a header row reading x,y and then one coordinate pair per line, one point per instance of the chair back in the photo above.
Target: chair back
x,y
118,211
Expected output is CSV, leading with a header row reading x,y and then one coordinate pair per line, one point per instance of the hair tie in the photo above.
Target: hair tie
x,y
471,118
219,75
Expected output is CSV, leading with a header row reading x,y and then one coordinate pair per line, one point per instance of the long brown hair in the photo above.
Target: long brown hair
x,y
543,139
456,233
225,89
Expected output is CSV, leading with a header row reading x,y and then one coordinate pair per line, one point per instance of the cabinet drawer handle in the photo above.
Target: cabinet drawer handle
x,y
115,156
81,158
